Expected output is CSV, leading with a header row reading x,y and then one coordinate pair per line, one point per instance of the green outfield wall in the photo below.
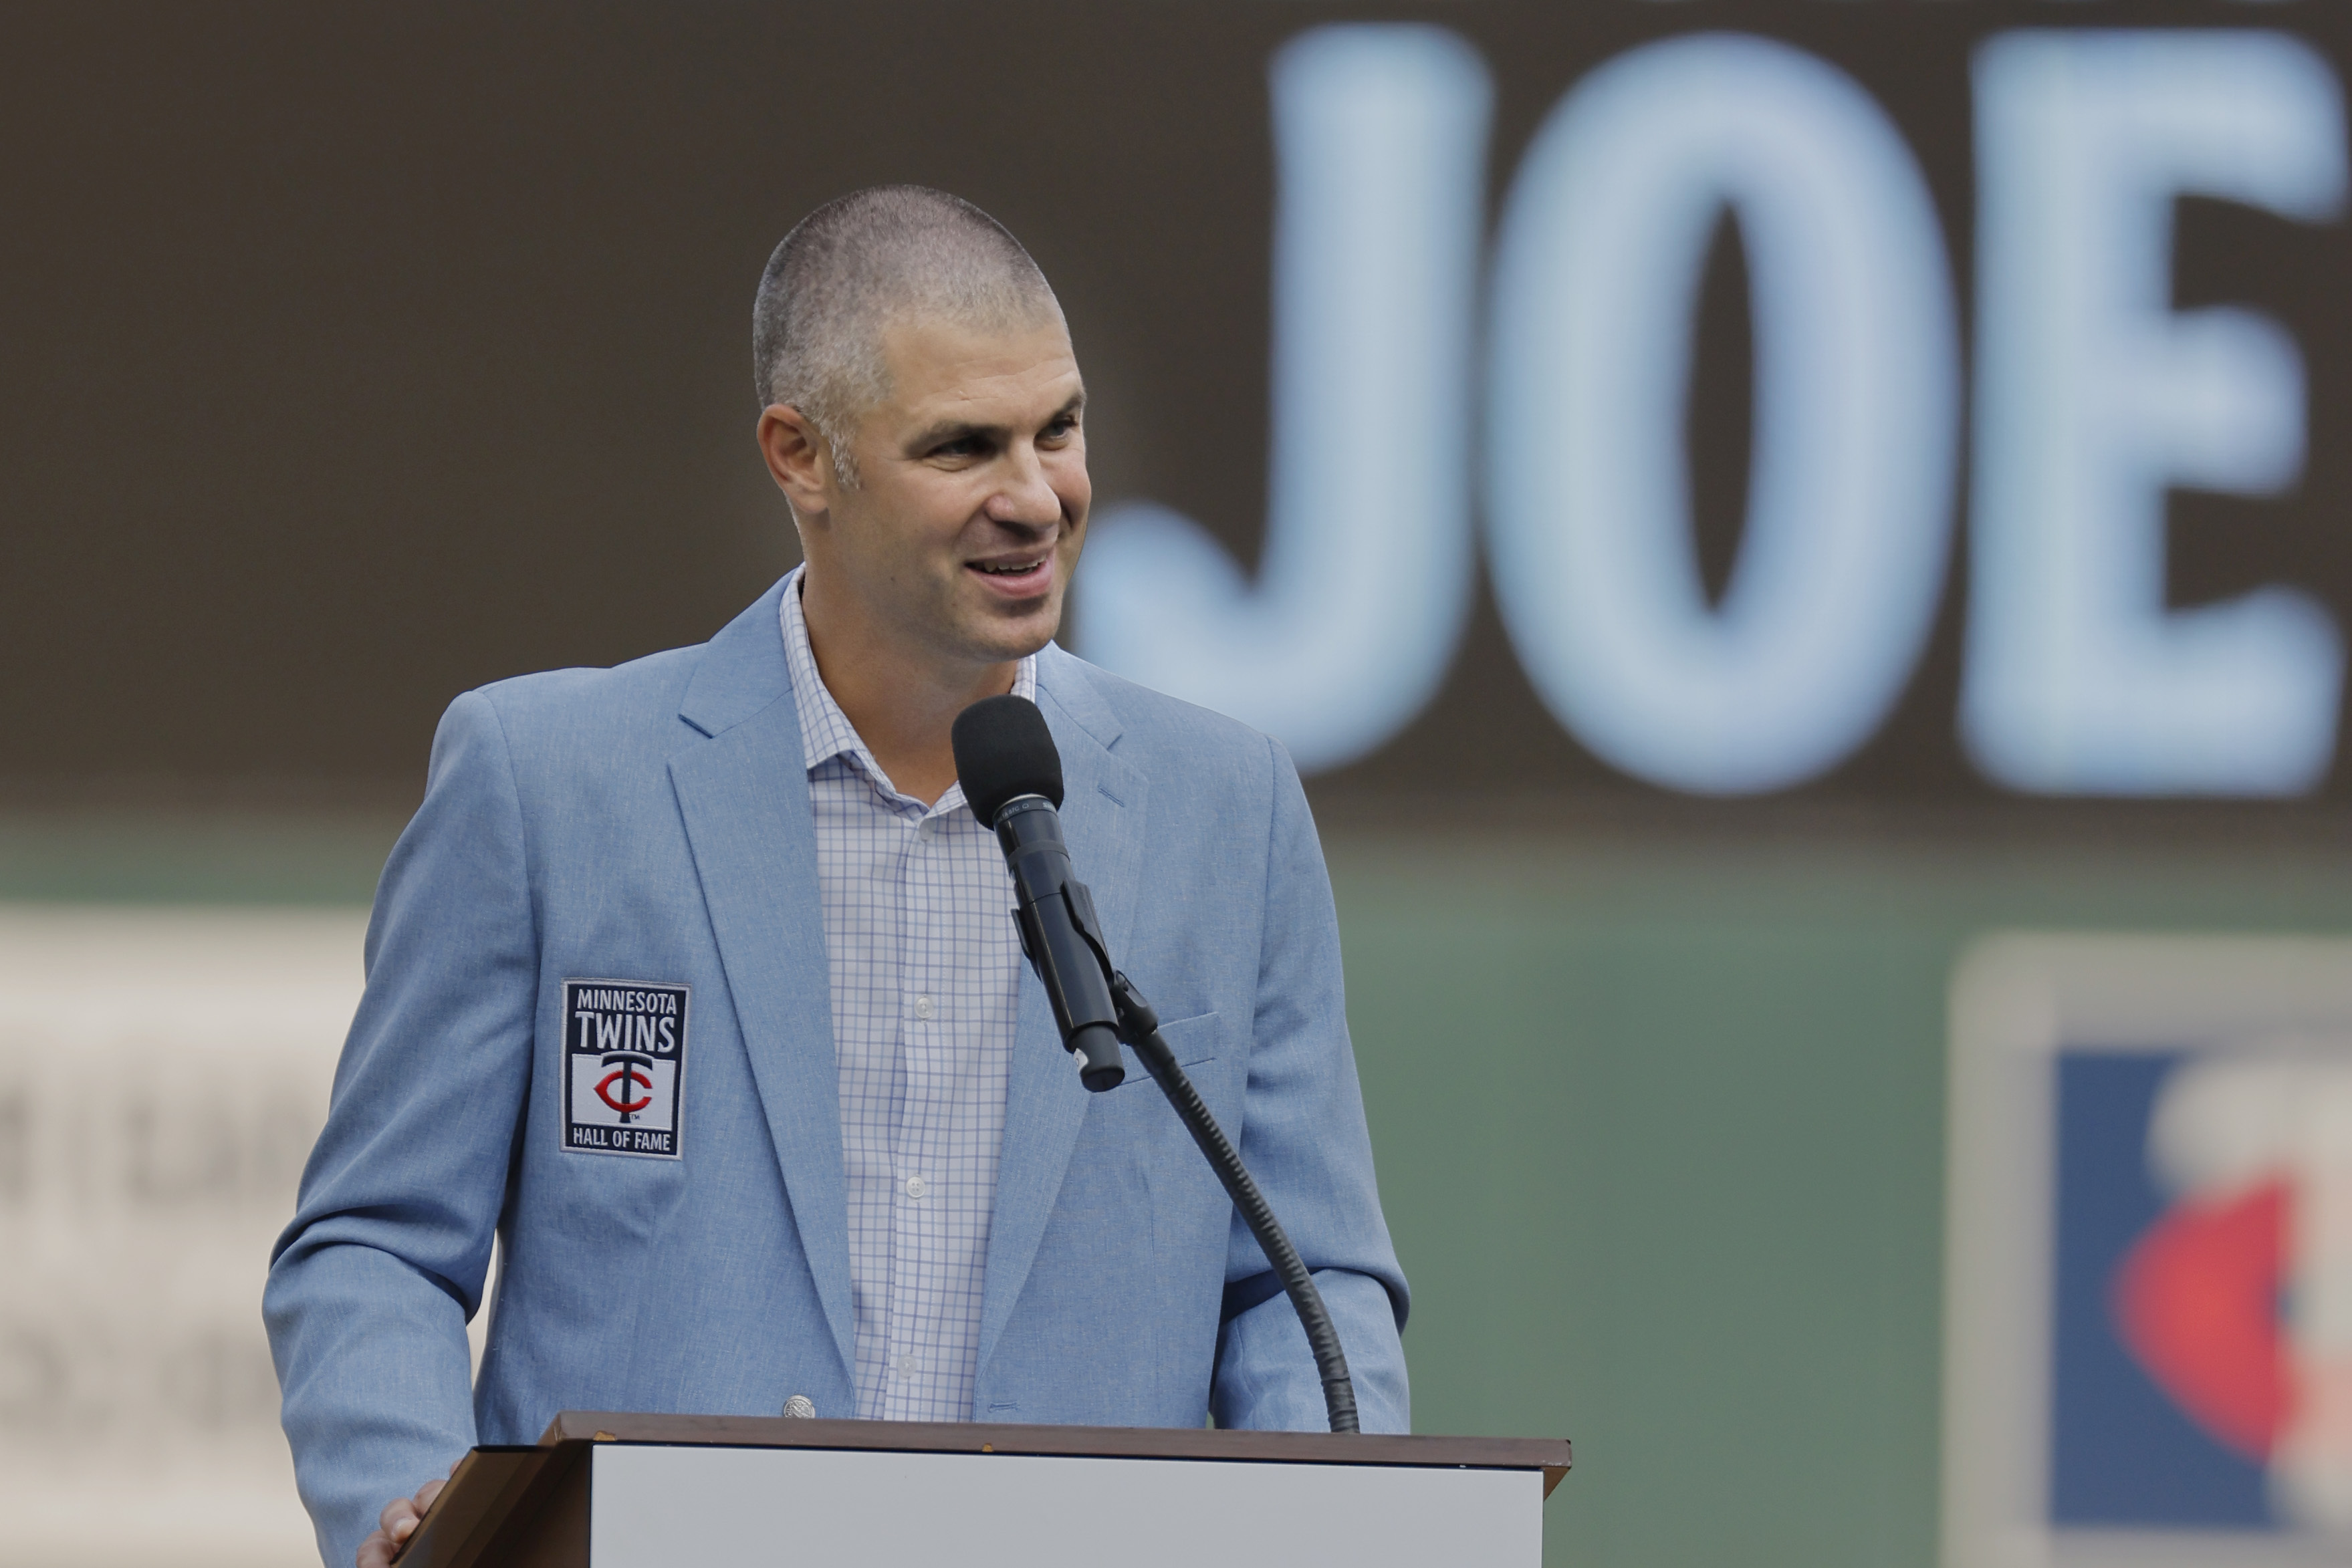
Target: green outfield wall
x,y
1660,1131
1659,1121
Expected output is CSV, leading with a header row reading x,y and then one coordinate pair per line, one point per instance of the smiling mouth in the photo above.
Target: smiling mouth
x,y
1015,577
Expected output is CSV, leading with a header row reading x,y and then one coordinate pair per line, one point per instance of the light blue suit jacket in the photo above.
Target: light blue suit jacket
x,y
651,822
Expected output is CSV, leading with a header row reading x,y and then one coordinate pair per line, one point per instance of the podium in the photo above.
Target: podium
x,y
604,1490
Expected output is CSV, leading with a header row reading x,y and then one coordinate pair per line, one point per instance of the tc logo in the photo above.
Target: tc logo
x,y
631,1075
624,1049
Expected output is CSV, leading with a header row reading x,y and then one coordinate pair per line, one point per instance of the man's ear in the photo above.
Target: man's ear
x,y
798,459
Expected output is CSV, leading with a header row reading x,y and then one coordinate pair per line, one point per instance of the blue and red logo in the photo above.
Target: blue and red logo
x,y
2202,1364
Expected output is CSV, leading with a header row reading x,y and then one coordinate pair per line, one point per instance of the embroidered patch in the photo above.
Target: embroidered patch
x,y
624,1068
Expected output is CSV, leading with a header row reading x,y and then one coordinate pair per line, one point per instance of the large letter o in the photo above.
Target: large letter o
x,y
1597,276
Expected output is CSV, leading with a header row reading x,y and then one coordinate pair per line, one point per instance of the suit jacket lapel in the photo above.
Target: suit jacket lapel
x,y
743,793
1102,819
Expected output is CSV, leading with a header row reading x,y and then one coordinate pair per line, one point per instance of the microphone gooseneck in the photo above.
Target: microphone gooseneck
x,y
1012,777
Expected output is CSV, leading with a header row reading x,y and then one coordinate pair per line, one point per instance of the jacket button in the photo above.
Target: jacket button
x,y
800,1407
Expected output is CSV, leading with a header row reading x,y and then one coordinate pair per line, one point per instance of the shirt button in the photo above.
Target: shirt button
x,y
922,1007
917,1187
905,1367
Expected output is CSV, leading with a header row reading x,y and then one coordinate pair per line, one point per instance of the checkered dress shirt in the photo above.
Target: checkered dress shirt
x,y
926,972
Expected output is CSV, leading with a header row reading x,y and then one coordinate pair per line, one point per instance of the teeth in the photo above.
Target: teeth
x,y
1011,570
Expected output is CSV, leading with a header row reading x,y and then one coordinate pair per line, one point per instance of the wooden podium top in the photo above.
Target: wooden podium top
x,y
527,1506
1546,1454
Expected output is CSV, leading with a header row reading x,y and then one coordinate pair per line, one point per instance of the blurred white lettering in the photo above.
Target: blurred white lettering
x,y
1596,288
1365,579
162,1075
2093,397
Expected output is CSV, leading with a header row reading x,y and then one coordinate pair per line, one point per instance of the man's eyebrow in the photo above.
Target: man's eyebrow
x,y
950,429
953,430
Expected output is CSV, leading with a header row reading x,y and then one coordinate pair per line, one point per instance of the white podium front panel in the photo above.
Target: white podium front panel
x,y
654,1506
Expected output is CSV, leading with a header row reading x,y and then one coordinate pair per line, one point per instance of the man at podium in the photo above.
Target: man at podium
x,y
693,982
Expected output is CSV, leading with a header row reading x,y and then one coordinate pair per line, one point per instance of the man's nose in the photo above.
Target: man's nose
x,y
1026,500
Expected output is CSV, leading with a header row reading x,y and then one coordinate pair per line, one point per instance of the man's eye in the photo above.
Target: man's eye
x,y
968,446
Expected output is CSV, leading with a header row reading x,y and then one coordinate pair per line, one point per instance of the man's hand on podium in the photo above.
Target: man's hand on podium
x,y
397,1523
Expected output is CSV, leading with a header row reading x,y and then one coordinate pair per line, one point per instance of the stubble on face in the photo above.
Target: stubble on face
x,y
958,543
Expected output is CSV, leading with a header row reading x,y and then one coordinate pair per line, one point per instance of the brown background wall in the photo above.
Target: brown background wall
x,y
358,355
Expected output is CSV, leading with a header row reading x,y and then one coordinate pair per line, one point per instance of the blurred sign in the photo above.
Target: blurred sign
x,y
2095,397
2150,1286
1712,399
162,1075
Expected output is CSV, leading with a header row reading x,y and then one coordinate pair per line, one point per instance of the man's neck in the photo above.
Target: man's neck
x,y
903,706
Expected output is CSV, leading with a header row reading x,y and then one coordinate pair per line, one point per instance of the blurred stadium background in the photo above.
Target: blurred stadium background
x,y
1738,506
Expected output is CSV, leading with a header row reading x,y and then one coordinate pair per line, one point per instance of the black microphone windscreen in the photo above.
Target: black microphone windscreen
x,y
1003,749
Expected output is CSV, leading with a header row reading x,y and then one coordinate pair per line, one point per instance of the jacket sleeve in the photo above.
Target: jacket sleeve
x,y
372,1285
1303,1138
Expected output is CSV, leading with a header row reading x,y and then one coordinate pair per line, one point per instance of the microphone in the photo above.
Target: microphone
x,y
1012,777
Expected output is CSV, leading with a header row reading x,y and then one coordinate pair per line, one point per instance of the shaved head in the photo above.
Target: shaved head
x,y
852,266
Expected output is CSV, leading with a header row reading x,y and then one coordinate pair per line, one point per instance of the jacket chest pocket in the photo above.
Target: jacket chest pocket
x,y
1194,1041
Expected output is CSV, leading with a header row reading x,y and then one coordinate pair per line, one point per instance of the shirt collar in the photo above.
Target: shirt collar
x,y
825,731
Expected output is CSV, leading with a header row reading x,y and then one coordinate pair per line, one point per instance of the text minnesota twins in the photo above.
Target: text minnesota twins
x,y
626,1021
